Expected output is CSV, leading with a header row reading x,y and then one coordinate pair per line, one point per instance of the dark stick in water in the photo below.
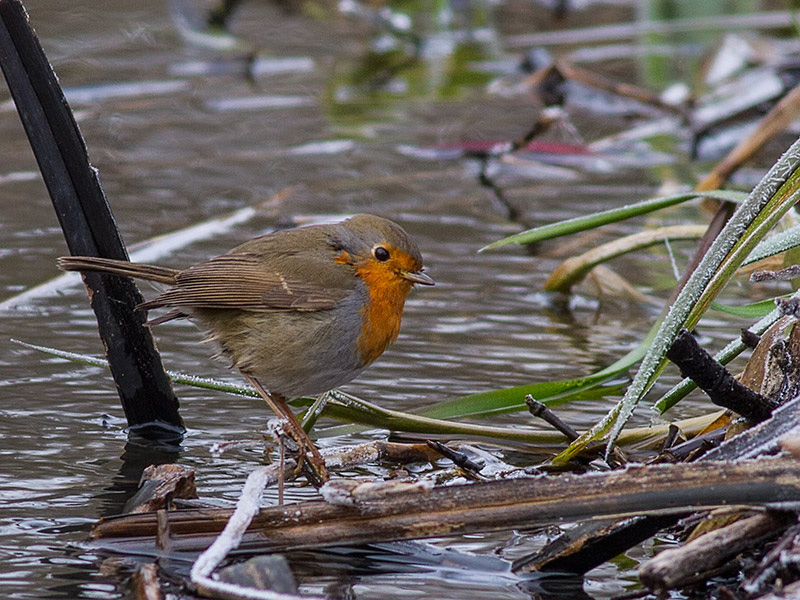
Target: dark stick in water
x,y
150,405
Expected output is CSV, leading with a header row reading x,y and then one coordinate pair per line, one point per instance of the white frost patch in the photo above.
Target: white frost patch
x,y
246,508
336,494
343,492
276,428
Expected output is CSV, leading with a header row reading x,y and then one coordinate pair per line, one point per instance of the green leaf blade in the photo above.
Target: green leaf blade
x,y
614,215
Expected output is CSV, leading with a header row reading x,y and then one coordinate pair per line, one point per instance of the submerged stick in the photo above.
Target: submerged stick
x,y
459,459
590,544
150,405
539,409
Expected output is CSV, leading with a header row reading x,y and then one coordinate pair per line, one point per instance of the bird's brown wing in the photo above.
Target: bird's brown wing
x,y
242,281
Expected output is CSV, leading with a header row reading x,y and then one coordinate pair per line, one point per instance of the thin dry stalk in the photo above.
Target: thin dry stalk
x,y
230,538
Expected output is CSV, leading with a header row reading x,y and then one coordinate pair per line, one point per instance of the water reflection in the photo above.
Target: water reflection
x,y
139,454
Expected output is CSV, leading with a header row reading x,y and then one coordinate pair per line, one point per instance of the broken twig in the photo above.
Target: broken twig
x,y
716,381
539,409
459,459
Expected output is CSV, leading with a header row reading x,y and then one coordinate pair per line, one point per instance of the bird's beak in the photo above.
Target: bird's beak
x,y
418,277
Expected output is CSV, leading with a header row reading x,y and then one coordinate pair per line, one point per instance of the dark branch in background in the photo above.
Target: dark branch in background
x,y
219,15
716,381
546,119
787,274
150,405
496,194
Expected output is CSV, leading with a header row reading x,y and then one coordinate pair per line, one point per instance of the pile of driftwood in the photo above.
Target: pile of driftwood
x,y
736,500
733,504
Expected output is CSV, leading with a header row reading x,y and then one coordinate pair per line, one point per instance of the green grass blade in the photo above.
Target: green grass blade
x,y
344,407
756,310
481,404
182,378
614,215
348,408
513,399
574,269
780,242
772,197
354,410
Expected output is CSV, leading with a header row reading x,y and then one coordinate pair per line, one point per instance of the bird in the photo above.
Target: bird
x,y
298,311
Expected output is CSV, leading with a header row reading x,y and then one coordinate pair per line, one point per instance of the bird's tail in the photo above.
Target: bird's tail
x,y
118,267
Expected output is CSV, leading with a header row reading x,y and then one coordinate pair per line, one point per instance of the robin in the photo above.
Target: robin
x,y
299,311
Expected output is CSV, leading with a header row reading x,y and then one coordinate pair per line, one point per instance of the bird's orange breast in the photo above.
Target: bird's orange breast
x,y
382,313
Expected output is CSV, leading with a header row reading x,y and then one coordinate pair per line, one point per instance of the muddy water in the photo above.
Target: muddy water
x,y
180,136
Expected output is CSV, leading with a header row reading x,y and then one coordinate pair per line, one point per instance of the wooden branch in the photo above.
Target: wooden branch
x,y
592,543
676,567
584,547
369,512
377,451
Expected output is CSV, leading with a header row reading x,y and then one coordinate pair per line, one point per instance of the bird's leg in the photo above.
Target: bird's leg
x,y
282,458
278,405
312,460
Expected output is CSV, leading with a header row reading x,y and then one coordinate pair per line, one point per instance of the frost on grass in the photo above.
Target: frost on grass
x,y
698,284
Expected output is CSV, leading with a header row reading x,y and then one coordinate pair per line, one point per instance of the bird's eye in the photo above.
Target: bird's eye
x,y
381,253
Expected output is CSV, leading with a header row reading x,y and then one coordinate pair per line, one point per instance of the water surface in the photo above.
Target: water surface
x,y
181,136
